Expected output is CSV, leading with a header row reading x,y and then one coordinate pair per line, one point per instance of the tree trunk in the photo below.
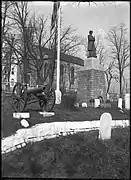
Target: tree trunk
x,y
120,84
38,78
108,86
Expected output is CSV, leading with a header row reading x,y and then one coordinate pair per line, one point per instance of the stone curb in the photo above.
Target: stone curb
x,y
43,131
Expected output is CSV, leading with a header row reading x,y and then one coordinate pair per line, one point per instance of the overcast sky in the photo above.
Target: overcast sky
x,y
98,17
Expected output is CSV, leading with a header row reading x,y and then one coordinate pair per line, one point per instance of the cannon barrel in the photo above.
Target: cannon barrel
x,y
36,90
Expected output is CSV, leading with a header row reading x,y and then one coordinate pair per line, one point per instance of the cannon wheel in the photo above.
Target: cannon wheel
x,y
18,102
48,101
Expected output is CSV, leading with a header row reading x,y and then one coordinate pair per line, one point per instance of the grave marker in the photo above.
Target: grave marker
x,y
24,123
47,114
108,96
19,115
105,126
84,104
127,101
97,103
120,103
77,105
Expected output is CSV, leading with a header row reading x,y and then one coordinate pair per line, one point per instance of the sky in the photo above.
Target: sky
x,y
98,16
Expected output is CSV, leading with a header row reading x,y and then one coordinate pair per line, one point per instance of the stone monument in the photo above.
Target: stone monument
x,y
91,80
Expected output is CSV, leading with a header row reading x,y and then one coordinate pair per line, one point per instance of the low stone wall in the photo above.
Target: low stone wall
x,y
43,131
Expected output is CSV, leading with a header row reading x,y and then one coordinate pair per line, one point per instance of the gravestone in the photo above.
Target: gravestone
x,y
84,104
105,126
120,103
24,123
58,96
19,115
77,105
47,114
97,103
127,101
108,96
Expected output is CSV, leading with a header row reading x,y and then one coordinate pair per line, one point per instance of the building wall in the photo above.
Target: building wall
x,y
66,75
13,77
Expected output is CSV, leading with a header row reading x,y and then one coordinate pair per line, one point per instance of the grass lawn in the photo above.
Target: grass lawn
x,y
11,125
80,155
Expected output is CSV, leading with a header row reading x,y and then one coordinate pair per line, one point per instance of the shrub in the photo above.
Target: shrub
x,y
108,101
92,100
114,104
123,103
63,91
69,99
101,99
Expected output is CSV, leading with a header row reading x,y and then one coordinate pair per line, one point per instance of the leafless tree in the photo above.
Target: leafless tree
x,y
8,60
6,24
70,44
19,16
41,38
117,37
111,74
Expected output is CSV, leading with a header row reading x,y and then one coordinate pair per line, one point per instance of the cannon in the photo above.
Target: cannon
x,y
22,96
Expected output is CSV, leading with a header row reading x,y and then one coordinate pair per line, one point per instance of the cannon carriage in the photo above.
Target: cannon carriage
x,y
22,96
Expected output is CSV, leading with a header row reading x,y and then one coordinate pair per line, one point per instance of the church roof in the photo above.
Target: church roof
x,y
65,57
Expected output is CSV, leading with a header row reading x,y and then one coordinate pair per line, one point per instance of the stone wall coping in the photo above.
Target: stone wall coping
x,y
43,131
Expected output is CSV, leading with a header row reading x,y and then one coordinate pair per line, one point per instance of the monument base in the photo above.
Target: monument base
x,y
91,81
91,63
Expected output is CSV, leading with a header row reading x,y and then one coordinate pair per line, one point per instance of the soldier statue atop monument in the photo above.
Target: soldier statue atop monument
x,y
91,45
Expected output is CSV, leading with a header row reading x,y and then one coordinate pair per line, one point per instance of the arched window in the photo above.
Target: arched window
x,y
45,69
61,72
28,78
12,82
12,72
72,75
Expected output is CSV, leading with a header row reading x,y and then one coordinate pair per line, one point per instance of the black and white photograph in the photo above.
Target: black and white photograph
x,y
65,89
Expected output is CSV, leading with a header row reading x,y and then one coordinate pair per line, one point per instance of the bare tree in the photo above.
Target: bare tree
x,y
19,16
8,59
111,74
6,24
6,50
70,44
38,38
117,37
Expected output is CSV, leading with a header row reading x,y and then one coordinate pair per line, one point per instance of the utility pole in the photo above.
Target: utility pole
x,y
58,92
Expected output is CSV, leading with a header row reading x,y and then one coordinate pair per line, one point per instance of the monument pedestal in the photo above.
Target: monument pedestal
x,y
91,63
91,81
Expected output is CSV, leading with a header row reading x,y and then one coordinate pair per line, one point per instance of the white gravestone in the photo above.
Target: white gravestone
x,y
24,123
108,96
19,115
77,105
97,103
105,126
120,103
47,114
84,104
127,101
58,96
